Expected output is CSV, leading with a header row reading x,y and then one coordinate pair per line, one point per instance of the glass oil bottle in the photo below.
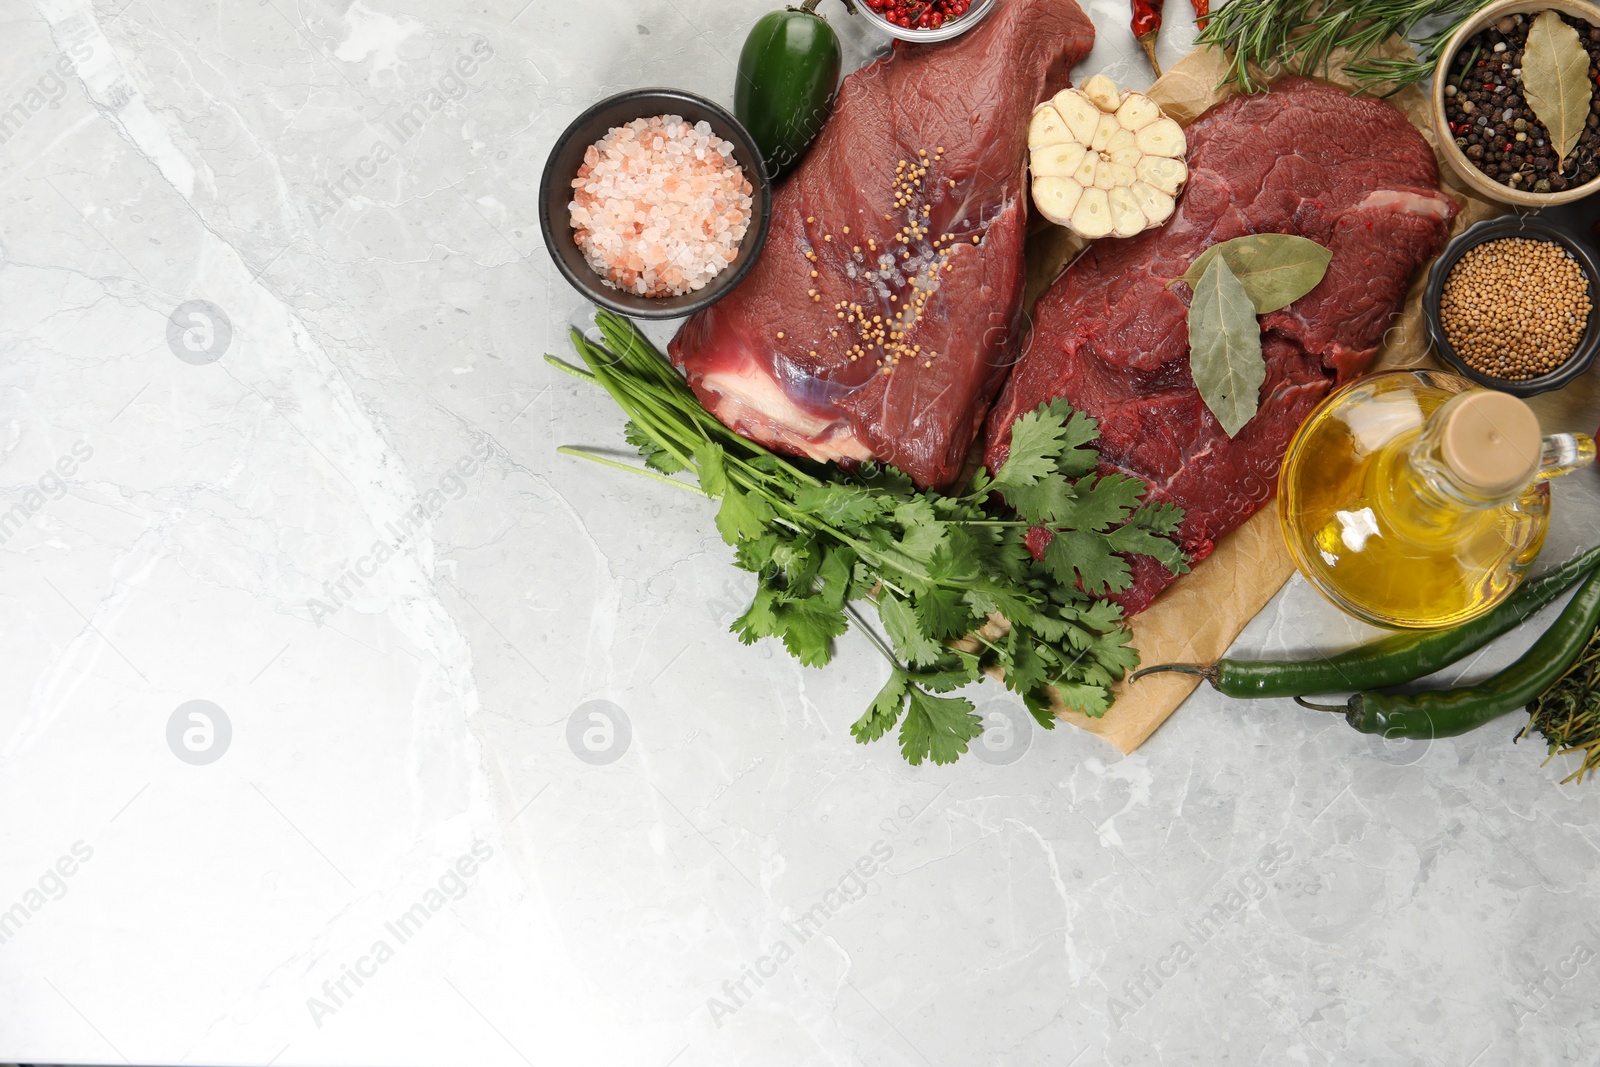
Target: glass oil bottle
x,y
1415,499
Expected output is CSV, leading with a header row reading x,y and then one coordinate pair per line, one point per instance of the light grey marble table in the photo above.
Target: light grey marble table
x,y
328,505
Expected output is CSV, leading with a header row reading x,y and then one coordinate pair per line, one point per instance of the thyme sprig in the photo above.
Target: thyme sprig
x,y
1568,713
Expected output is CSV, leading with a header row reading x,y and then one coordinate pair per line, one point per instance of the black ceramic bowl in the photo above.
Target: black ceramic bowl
x,y
555,194
1528,226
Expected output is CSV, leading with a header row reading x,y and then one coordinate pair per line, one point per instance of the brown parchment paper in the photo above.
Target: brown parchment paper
x,y
1199,615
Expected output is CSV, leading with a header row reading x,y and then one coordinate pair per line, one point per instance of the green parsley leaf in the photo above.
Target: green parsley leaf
x,y
1037,440
937,728
1163,517
839,504
884,710
1112,650
1078,457
887,481
1047,625
905,630
1103,501
1026,671
741,516
946,613
945,681
1037,701
990,597
1091,700
1138,541
808,626
835,577
758,620
655,456
955,559
708,459
797,558
1100,614
923,530
1048,500
1078,556
755,554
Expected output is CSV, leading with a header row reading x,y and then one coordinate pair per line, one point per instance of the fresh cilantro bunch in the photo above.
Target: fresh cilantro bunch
x,y
956,590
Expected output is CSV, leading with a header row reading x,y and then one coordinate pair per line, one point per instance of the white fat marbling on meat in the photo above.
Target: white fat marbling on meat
x,y
1433,205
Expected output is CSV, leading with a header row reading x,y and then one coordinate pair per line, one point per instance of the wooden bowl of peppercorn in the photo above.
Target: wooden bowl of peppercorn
x,y
1469,113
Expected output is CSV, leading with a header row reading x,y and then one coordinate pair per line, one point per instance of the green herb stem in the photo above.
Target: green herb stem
x,y
604,461
818,541
1267,38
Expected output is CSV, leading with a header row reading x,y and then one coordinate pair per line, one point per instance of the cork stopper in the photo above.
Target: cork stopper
x,y
1490,442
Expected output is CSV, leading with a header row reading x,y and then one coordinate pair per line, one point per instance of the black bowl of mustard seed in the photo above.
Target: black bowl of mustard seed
x,y
1492,135
1511,304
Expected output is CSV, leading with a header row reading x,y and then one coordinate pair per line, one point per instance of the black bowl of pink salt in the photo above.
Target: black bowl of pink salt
x,y
1514,304
654,204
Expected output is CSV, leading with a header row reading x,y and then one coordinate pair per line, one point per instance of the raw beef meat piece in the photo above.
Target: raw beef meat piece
x,y
898,241
1351,174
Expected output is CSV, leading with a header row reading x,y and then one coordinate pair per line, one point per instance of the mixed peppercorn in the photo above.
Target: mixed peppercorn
x,y
920,14
1492,122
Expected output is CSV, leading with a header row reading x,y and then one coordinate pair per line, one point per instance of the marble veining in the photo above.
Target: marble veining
x,y
347,722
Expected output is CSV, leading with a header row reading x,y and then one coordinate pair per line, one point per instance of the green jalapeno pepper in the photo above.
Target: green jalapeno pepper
x,y
1448,712
1391,661
788,74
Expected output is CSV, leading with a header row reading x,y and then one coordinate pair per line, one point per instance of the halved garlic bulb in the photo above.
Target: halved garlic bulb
x,y
1105,163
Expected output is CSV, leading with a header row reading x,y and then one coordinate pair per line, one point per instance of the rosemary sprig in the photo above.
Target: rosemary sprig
x,y
1568,713
1269,38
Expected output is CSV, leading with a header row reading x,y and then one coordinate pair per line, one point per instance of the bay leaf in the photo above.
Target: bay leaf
x,y
1555,80
1276,269
1225,347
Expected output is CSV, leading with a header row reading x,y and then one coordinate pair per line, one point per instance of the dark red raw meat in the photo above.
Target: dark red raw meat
x,y
1351,174
773,359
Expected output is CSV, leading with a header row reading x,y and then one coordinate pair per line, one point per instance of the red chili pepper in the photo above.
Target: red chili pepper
x,y
1202,8
1146,23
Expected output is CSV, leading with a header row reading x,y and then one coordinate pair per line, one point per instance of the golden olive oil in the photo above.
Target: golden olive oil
x,y
1380,507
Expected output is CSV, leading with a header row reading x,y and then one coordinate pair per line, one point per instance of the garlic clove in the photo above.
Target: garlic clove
x,y
1091,217
1137,112
1156,206
1078,112
1103,92
1056,197
1120,175
1059,160
1161,138
1103,132
1122,148
1087,169
1162,174
1127,218
1047,127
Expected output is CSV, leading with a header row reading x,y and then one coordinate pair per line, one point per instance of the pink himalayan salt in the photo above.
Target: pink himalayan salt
x,y
660,207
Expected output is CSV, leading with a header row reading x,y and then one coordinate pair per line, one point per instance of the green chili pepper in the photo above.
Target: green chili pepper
x,y
1405,657
788,73
1448,712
